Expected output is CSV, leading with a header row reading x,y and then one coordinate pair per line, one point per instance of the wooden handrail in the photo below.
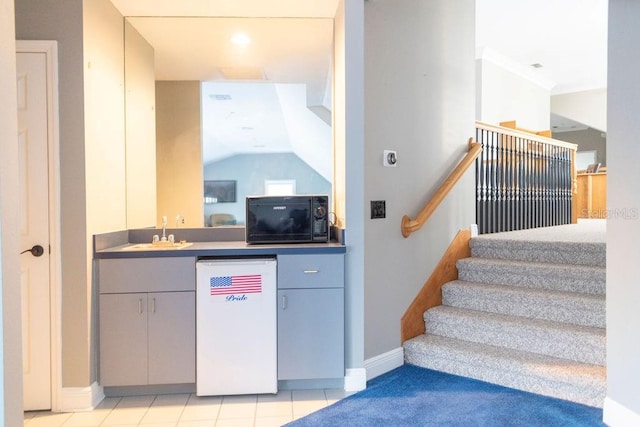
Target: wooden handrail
x,y
519,133
410,225
511,124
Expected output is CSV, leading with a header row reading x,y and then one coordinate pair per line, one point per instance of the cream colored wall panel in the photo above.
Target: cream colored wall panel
x,y
104,117
140,98
179,153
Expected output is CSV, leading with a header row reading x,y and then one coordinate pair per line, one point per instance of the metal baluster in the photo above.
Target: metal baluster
x,y
499,184
478,181
494,183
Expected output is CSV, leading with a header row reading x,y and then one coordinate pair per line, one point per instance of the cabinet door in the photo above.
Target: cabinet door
x,y
310,333
123,339
172,337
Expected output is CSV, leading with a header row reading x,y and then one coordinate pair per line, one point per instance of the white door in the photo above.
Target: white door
x,y
34,229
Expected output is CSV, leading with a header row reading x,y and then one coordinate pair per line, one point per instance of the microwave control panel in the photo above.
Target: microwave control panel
x,y
320,218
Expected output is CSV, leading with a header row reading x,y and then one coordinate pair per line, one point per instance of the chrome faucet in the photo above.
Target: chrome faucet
x,y
164,229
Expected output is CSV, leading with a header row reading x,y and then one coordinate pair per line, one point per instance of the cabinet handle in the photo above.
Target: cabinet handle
x,y
139,305
284,302
153,305
311,271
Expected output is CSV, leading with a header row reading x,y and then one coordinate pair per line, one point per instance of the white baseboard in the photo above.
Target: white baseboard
x,y
79,399
384,363
355,379
617,415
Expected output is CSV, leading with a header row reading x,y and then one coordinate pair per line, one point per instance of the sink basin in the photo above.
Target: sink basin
x,y
157,246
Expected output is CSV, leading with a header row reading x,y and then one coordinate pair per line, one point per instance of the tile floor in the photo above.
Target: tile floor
x,y
181,410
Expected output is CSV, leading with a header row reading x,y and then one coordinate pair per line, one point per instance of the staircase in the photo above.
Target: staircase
x,y
527,312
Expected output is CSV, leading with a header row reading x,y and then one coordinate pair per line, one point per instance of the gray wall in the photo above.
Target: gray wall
x,y
250,172
419,97
63,21
10,297
623,224
587,140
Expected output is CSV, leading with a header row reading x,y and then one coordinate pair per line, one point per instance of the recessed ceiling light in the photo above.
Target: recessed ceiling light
x,y
240,39
536,65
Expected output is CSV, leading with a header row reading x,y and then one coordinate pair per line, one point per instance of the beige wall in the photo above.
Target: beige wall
x,y
104,117
140,125
178,152
10,299
105,156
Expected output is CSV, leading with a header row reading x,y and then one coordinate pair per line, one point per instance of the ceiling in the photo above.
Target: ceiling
x,y
281,50
229,8
566,38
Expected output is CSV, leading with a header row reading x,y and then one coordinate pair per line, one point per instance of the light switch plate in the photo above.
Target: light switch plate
x,y
378,209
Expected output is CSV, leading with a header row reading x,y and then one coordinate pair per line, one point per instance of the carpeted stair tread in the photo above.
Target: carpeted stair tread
x,y
579,343
550,376
566,307
507,246
552,276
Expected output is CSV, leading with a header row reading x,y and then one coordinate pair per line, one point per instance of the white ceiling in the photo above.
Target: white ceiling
x,y
567,37
229,8
282,50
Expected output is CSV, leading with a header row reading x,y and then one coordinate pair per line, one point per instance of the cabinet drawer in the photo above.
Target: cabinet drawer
x,y
146,275
311,271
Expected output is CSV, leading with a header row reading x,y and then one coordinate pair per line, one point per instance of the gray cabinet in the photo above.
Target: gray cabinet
x,y
310,316
147,321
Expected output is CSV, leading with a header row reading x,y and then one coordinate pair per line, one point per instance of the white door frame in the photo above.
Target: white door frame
x,y
50,49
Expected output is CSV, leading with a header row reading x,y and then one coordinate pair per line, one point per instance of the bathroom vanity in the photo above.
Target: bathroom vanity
x,y
147,304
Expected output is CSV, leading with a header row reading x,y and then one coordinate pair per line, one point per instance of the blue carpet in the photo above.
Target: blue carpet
x,y
414,396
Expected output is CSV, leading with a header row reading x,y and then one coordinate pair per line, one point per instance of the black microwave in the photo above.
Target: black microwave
x,y
287,219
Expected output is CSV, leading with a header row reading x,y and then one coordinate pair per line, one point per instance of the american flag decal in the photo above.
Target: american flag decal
x,y
229,285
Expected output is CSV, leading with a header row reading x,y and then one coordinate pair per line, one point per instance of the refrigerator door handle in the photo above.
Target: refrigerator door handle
x,y
284,302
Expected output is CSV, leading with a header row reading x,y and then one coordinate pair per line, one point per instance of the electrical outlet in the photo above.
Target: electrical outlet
x,y
378,209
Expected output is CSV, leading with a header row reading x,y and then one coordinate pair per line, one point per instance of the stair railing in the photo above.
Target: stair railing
x,y
410,225
524,179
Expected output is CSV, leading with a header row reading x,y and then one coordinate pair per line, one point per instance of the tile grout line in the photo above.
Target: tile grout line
x,y
109,411
184,408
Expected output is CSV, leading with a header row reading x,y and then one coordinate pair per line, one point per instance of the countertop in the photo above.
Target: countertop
x,y
214,249
203,243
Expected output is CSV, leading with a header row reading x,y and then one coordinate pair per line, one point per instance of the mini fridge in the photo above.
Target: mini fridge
x,y
236,329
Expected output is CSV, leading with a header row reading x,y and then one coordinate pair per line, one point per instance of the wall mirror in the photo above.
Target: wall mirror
x,y
242,100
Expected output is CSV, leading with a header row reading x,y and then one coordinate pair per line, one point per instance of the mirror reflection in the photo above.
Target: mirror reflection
x,y
249,101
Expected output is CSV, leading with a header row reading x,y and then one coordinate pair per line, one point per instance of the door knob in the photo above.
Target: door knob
x,y
36,251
